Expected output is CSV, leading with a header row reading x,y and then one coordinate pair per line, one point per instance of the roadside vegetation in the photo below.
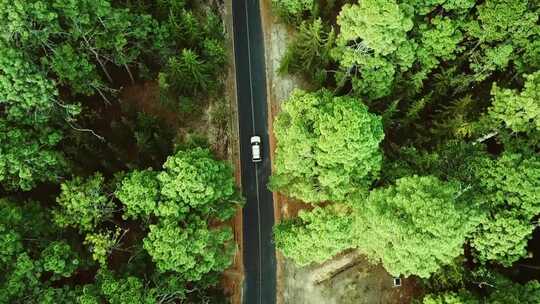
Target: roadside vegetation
x,y
101,201
418,145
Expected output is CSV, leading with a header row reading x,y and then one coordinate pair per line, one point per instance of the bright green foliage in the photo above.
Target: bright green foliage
x,y
512,182
28,156
124,290
27,144
101,245
507,25
83,203
327,147
139,193
25,91
518,111
414,227
315,236
509,187
440,40
502,239
193,179
462,297
192,251
424,7
377,76
75,70
500,19
59,259
382,25
292,9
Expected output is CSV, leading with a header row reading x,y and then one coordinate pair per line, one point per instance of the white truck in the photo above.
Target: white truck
x,y
256,149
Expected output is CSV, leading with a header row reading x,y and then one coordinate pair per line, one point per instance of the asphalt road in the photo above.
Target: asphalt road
x,y
258,215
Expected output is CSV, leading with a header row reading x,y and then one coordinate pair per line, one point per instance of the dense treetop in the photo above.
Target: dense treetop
x,y
455,181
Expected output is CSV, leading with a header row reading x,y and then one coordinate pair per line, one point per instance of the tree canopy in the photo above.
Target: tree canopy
x,y
327,147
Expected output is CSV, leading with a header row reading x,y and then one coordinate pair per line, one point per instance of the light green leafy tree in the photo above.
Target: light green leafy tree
x,y
327,147
381,25
508,188
502,238
83,203
193,250
518,111
194,180
416,226
139,193
123,290
315,236
101,244
60,259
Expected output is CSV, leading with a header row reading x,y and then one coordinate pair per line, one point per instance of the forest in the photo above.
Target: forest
x,y
102,200
415,141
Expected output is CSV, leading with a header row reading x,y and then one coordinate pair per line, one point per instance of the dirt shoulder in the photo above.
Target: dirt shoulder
x,y
234,276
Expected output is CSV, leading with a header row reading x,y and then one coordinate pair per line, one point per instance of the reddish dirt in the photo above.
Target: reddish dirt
x,y
233,277
145,97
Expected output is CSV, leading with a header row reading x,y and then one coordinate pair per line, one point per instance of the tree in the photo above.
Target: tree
x,y
512,293
83,203
192,250
309,53
327,147
101,244
518,111
291,10
381,25
193,180
60,259
462,297
508,188
502,238
414,227
139,193
315,236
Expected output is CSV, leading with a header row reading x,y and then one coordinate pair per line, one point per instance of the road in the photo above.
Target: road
x,y
258,214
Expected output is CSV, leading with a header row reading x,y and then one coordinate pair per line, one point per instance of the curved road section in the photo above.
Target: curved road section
x,y
258,214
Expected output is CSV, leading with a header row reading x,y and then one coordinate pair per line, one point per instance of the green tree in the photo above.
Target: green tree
x,y
60,259
291,10
462,297
513,293
502,238
193,250
381,25
83,203
139,193
416,226
309,53
518,111
327,147
194,180
102,244
315,236
508,189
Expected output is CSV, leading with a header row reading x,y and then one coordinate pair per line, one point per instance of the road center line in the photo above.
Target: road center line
x,y
255,166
